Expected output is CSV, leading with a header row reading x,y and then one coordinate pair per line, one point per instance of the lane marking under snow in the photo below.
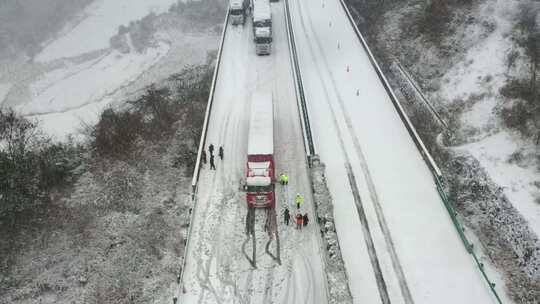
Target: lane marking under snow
x,y
368,239
396,264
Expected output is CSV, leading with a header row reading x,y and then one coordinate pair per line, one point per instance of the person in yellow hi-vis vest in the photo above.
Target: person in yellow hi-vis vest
x,y
299,200
284,179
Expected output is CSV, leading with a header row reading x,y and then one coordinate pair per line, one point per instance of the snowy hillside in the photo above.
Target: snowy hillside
x,y
81,72
474,62
101,219
100,22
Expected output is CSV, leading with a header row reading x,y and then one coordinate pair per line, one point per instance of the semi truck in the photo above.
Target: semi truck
x,y
262,27
260,174
237,11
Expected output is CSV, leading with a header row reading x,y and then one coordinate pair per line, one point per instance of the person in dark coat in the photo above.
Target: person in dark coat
x,y
203,157
305,219
212,165
220,153
287,216
211,149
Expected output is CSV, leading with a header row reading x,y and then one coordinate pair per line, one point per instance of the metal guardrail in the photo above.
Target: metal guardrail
x,y
209,107
201,148
300,96
425,153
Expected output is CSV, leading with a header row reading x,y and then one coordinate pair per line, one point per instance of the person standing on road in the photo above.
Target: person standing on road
x,y
305,219
299,200
220,153
211,149
212,165
287,216
284,179
299,219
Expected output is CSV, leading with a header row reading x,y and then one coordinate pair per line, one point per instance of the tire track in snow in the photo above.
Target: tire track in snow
x,y
237,158
202,248
286,252
381,284
219,238
268,287
223,232
208,232
310,275
381,219
212,256
225,217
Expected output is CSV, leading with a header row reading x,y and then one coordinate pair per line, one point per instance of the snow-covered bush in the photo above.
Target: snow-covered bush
x,y
503,231
116,132
31,167
156,115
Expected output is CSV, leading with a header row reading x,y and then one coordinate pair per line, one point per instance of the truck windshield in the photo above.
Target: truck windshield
x,y
259,189
263,40
236,12
263,23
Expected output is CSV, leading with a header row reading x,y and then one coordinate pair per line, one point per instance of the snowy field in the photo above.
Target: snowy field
x,y
490,144
78,74
410,252
67,97
100,22
483,70
517,181
216,270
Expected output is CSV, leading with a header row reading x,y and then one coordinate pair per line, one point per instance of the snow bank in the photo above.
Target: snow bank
x,y
338,284
102,20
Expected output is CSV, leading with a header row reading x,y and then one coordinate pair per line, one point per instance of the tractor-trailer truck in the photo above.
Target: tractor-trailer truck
x,y
260,160
237,11
262,27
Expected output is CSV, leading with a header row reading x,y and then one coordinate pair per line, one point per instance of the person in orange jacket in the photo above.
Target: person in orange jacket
x,y
299,220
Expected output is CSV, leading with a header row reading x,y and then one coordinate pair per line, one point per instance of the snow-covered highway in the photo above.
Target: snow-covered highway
x,y
398,242
216,270
408,251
